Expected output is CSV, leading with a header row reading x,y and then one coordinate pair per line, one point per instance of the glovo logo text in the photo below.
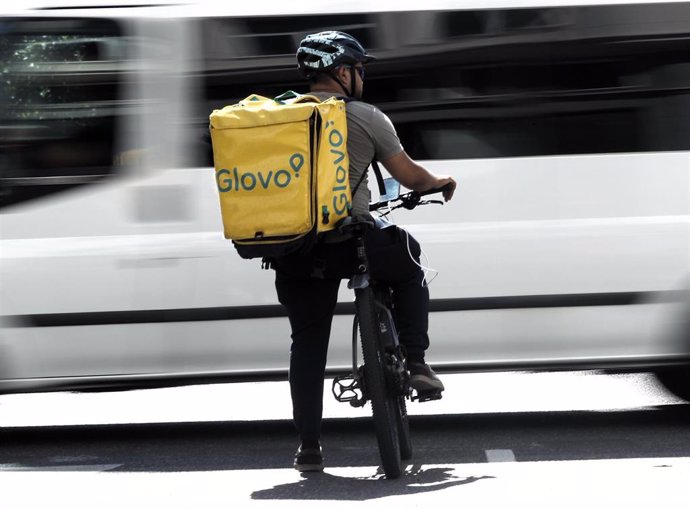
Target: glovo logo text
x,y
247,180
336,143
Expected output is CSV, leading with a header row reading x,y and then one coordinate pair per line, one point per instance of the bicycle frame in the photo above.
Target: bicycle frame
x,y
345,388
383,379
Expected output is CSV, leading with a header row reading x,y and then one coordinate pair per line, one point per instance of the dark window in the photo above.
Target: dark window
x,y
491,83
58,104
242,55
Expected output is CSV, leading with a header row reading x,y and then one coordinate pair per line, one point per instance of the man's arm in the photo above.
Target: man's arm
x,y
414,176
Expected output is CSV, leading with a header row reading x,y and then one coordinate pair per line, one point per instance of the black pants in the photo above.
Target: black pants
x,y
308,288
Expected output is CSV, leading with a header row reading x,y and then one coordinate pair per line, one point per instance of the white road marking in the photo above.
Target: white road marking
x,y
499,455
58,468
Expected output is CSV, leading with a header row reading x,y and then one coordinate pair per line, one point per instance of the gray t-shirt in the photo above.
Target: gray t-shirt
x,y
370,135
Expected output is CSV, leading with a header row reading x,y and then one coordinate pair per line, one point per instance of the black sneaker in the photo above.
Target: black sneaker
x,y
308,459
423,378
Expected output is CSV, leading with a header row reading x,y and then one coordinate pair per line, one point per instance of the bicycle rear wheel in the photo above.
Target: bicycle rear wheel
x,y
384,405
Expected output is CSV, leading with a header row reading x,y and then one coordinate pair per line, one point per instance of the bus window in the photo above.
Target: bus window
x,y
539,82
487,83
58,104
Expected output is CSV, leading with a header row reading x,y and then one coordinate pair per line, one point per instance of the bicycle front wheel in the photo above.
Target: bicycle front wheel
x,y
384,404
403,429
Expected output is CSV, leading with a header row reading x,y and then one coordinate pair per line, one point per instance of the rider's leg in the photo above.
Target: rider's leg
x,y
411,303
310,304
394,258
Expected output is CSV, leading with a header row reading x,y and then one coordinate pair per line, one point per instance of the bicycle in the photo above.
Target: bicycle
x,y
383,379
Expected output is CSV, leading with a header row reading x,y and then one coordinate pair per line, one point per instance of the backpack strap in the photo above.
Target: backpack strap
x,y
379,179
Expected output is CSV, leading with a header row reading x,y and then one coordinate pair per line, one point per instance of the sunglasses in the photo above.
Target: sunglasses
x,y
360,71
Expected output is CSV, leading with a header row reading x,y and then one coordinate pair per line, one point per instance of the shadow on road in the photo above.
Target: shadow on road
x,y
326,486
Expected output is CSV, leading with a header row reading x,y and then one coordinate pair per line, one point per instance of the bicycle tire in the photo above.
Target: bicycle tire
x,y
399,405
384,405
403,429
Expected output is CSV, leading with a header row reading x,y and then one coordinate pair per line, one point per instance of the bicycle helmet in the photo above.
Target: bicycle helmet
x,y
324,51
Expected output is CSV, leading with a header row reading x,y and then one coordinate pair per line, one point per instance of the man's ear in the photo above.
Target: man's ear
x,y
342,73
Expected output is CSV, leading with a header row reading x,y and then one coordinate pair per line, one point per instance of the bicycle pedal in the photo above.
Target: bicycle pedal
x,y
427,396
347,389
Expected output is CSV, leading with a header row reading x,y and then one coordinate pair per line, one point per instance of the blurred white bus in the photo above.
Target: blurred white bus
x,y
566,124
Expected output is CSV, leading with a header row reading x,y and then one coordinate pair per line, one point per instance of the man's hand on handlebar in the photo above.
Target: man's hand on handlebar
x,y
447,186
410,200
444,185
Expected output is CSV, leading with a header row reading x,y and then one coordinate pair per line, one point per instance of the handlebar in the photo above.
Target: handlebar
x,y
410,200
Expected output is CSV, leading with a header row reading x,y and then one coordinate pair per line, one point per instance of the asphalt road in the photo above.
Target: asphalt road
x,y
517,454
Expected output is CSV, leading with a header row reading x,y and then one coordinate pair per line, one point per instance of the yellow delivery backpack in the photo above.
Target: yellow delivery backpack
x,y
281,169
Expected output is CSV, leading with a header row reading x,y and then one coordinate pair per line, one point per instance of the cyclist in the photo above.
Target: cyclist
x,y
307,285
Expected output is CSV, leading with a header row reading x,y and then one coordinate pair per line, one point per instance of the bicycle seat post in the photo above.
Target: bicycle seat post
x,y
356,226
363,265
